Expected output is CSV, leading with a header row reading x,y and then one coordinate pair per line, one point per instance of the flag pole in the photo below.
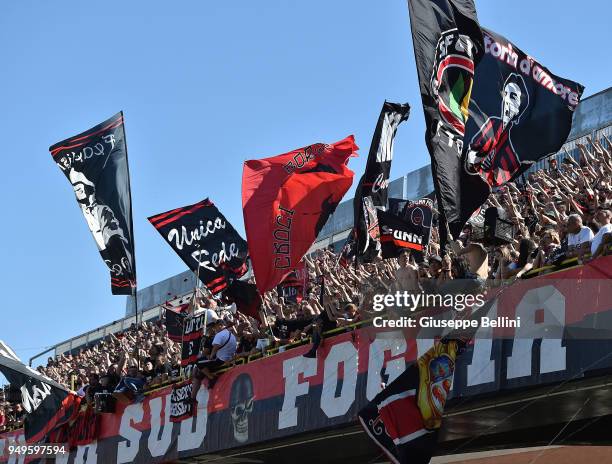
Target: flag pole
x,y
135,294
137,328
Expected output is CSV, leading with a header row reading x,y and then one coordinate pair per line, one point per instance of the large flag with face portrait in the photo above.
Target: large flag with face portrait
x,y
375,180
520,112
96,165
48,404
206,242
286,201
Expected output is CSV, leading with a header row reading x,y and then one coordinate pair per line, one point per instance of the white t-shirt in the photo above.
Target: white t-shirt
x,y
227,351
599,236
585,235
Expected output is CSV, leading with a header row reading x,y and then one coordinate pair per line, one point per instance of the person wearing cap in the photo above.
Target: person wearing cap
x,y
223,350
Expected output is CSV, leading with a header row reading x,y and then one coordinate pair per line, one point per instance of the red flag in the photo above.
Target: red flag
x,y
287,199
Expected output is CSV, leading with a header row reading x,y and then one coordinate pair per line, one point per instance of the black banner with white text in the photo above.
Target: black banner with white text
x,y
96,165
206,242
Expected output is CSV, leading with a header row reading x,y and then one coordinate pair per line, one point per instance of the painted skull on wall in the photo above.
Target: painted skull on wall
x,y
241,406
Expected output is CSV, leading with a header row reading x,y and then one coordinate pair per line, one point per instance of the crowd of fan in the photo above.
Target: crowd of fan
x,y
559,213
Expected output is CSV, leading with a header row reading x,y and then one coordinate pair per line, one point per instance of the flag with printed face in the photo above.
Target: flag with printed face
x,y
491,110
286,201
520,112
206,242
96,165
420,213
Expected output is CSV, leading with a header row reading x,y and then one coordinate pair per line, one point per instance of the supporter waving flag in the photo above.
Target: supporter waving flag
x,y
286,201
95,163
205,241
47,403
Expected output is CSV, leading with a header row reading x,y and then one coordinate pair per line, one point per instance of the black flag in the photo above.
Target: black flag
x,y
397,235
174,321
205,241
247,298
419,213
96,164
519,112
375,181
448,44
48,404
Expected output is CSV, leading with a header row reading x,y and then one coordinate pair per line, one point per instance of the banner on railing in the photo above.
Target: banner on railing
x,y
288,394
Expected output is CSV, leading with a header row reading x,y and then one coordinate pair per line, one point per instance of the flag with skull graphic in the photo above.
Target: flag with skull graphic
x,y
95,162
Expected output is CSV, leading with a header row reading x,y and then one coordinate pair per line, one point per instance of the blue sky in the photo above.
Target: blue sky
x,y
205,85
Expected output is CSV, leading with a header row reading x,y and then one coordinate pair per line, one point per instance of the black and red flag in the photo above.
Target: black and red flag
x,y
397,235
181,405
293,287
206,242
174,321
245,296
48,405
404,418
520,112
286,201
96,164
375,180
193,331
